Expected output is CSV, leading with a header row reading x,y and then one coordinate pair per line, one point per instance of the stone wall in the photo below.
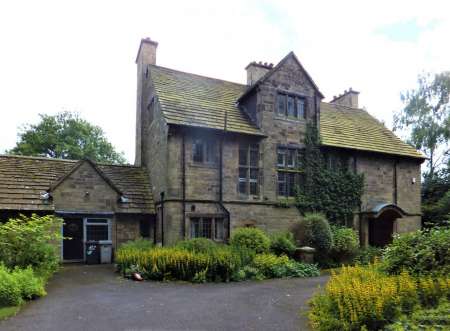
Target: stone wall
x,y
85,191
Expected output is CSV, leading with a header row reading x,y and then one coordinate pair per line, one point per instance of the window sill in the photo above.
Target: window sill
x,y
203,165
290,119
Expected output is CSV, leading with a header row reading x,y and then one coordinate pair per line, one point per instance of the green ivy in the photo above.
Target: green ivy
x,y
333,192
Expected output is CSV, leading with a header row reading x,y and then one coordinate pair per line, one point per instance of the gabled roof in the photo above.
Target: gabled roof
x,y
23,179
274,69
198,101
353,128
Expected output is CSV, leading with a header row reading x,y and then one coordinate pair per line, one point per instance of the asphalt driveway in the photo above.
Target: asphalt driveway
x,y
95,298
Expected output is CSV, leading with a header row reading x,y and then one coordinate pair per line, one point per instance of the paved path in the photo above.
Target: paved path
x,y
95,298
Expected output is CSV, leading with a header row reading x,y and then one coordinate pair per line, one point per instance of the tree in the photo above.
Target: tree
x,y
427,116
66,136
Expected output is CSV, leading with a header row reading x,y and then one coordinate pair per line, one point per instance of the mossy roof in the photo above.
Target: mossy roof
x,y
353,128
22,179
198,101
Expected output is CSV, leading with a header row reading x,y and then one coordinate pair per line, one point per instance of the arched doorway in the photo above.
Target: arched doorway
x,y
382,224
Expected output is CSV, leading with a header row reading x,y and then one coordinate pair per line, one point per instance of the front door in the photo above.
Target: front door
x,y
380,231
73,239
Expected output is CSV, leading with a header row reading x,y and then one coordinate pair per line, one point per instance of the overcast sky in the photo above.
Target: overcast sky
x,y
79,55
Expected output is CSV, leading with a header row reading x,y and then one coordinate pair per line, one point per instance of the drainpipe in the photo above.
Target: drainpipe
x,y
183,182
221,175
162,218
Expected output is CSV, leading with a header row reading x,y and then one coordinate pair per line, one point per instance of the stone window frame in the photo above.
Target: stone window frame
x,y
251,169
211,231
289,174
208,149
283,98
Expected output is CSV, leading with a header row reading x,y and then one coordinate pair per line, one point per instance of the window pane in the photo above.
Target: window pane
x,y
254,156
243,187
218,232
207,228
198,151
243,180
281,161
243,155
210,152
292,184
97,232
281,104
254,181
291,158
195,227
281,183
290,106
300,157
301,108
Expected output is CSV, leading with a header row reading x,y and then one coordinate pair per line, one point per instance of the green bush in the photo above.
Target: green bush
x,y
432,319
175,263
10,292
317,232
140,243
19,284
272,266
345,244
282,244
367,255
420,252
31,241
362,298
250,238
201,245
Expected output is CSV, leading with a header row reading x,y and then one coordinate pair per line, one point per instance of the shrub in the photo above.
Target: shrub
x,y
10,292
420,252
250,238
317,232
201,245
18,284
272,266
362,297
140,244
367,255
283,244
30,241
176,263
431,290
345,244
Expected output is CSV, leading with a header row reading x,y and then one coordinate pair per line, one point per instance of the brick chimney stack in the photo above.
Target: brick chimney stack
x,y
255,70
348,99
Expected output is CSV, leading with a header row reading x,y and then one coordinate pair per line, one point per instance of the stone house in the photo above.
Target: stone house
x,y
223,155
213,155
107,203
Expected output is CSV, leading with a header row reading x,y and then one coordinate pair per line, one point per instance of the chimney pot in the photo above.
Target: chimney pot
x,y
255,70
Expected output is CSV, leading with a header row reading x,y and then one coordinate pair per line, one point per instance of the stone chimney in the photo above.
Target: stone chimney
x,y
255,70
147,52
146,55
348,99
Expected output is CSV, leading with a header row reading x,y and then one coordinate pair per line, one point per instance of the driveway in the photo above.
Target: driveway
x,y
84,297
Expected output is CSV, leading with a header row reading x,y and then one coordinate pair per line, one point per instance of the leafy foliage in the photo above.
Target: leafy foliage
x,y
140,243
317,232
427,116
201,245
66,136
250,238
420,252
19,284
334,192
282,244
272,266
345,244
360,297
30,241
367,255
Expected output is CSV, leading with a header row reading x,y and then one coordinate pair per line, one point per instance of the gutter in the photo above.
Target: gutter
x,y
221,175
183,182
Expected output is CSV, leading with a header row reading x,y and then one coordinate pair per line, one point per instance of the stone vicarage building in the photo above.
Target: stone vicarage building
x,y
213,155
223,155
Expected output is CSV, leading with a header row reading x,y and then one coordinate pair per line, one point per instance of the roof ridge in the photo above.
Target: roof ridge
x,y
202,76
119,165
43,158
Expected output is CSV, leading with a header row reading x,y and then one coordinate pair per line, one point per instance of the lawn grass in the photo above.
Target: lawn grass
x,y
6,312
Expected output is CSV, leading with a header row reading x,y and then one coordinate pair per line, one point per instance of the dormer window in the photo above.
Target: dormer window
x,y
291,106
